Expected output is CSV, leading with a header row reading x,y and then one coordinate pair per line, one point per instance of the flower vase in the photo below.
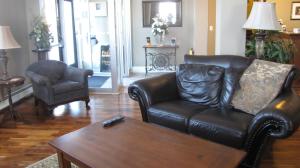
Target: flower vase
x,y
160,40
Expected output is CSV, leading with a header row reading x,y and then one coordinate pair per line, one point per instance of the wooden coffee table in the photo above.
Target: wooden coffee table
x,y
134,144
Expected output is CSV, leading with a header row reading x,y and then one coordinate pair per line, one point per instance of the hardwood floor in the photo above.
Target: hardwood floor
x,y
24,144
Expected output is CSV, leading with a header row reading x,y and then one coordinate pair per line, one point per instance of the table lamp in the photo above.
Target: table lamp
x,y
7,41
262,17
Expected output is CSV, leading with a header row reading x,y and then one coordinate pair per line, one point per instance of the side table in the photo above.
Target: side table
x,y
10,83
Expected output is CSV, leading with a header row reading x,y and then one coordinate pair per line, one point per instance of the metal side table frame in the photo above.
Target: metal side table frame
x,y
160,58
10,83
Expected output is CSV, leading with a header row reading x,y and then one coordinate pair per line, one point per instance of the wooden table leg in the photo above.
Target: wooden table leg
x,y
63,163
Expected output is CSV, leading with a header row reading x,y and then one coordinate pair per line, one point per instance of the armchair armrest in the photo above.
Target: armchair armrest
x,y
153,90
38,79
77,74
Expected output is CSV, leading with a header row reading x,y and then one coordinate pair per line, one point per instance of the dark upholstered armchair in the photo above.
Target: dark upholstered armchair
x,y
54,83
161,103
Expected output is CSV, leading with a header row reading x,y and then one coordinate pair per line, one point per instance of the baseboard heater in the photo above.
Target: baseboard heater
x,y
17,95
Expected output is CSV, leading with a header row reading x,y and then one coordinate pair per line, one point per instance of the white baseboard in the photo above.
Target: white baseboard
x,y
17,95
138,69
141,69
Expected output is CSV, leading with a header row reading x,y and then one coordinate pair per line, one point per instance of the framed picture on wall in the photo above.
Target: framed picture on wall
x,y
101,8
295,12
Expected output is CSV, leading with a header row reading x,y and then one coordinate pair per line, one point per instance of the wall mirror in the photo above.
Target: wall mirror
x,y
170,10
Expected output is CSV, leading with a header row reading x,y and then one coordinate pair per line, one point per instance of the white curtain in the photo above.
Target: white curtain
x,y
48,11
123,34
127,37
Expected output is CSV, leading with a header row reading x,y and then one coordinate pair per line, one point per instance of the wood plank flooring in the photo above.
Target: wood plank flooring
x,y
24,144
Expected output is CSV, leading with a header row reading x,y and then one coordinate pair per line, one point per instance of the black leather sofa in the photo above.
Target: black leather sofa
x,y
161,104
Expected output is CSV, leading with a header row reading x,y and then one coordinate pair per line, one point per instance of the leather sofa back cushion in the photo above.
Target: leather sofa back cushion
x,y
234,67
200,83
260,84
230,84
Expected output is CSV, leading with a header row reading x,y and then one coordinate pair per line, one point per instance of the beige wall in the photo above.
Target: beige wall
x,y
211,23
283,8
200,25
18,14
230,18
184,35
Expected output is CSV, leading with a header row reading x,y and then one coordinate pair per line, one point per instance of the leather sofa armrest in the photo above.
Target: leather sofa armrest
x,y
281,117
38,79
154,90
77,74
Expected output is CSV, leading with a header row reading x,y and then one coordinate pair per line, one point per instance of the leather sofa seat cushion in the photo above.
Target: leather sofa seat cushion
x,y
200,83
65,86
174,114
225,127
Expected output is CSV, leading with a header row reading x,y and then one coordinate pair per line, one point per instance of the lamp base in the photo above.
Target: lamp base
x,y
260,44
4,62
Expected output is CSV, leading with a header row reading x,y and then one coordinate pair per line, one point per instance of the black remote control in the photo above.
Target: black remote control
x,y
113,121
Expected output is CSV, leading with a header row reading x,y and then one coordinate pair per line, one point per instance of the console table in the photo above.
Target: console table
x,y
160,57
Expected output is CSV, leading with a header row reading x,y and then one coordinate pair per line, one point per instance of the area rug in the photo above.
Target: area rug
x,y
49,162
97,81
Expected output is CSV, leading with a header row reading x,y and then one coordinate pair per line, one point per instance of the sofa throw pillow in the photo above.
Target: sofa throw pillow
x,y
259,85
200,83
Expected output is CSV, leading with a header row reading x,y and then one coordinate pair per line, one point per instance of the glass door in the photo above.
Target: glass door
x,y
70,51
101,47
95,32
101,37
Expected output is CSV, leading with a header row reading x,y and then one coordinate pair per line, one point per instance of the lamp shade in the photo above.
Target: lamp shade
x,y
263,17
7,41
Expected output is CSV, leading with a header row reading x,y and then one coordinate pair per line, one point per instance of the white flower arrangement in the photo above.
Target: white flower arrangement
x,y
41,34
160,26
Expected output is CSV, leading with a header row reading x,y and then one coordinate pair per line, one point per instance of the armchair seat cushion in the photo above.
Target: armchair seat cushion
x,y
65,86
225,127
174,114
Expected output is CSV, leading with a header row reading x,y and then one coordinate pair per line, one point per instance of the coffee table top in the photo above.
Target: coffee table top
x,y
134,144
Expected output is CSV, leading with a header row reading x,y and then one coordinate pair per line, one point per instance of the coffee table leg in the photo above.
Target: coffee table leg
x,y
63,163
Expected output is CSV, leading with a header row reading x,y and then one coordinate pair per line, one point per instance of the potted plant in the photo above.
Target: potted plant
x,y
41,35
160,28
276,49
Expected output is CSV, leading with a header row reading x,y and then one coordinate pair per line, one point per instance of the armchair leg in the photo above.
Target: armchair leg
x,y
37,112
87,104
50,109
36,101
